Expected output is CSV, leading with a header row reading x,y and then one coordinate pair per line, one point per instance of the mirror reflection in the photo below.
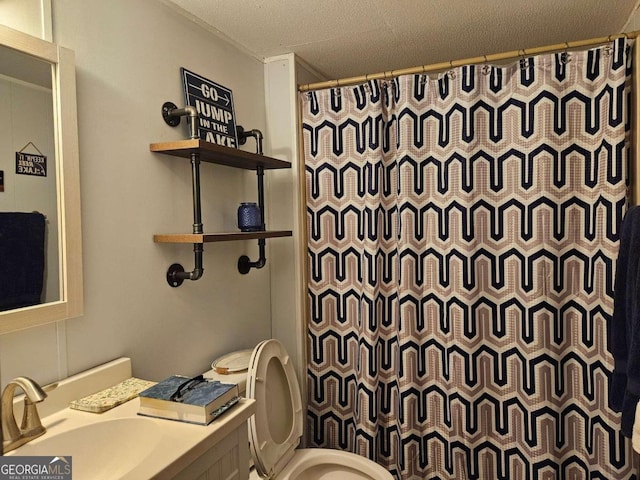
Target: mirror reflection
x,y
40,125
29,234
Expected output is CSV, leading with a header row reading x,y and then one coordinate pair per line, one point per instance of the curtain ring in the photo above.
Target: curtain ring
x,y
423,75
367,87
565,57
451,73
523,61
486,69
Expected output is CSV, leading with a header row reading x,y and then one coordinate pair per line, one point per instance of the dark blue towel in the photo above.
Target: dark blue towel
x,y
22,256
624,328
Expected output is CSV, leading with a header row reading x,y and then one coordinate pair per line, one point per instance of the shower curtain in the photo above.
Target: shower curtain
x,y
462,237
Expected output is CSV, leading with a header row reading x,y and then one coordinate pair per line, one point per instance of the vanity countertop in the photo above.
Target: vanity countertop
x,y
176,445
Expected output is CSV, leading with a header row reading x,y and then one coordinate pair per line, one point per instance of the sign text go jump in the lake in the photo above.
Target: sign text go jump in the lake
x,y
214,103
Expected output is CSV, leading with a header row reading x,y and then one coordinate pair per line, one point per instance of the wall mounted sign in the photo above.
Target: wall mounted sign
x,y
214,102
30,164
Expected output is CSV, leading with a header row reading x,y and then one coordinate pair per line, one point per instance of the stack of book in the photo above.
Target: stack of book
x,y
193,400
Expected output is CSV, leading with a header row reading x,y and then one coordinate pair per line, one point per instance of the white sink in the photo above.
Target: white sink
x,y
104,449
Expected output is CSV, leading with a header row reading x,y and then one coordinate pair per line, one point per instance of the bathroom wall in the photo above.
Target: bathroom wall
x,y
128,57
282,76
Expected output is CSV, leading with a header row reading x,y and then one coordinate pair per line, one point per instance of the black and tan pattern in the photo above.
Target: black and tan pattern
x,y
462,241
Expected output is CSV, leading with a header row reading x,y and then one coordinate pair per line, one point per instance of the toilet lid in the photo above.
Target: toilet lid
x,y
276,427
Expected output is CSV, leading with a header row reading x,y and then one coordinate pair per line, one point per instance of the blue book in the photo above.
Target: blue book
x,y
193,400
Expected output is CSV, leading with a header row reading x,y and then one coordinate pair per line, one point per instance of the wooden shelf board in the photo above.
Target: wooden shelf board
x,y
218,237
219,154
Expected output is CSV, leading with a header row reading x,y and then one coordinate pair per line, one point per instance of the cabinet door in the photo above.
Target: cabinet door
x,y
228,460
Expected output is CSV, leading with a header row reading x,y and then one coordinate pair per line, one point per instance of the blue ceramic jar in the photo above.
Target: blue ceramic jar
x,y
249,218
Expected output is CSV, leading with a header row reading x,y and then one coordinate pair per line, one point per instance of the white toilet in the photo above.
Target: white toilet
x,y
276,427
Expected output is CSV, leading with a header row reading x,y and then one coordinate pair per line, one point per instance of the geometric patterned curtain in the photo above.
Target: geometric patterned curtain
x,y
463,232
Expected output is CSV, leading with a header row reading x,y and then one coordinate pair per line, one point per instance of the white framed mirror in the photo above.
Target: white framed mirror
x,y
63,295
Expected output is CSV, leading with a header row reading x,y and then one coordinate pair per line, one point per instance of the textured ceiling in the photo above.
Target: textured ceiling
x,y
344,38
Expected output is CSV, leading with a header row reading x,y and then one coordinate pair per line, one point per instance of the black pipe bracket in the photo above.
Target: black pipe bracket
x,y
167,109
173,275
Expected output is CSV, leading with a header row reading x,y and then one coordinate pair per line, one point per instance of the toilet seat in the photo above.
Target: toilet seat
x,y
276,428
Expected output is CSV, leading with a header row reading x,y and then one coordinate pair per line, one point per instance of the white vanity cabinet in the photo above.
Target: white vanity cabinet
x,y
227,460
120,449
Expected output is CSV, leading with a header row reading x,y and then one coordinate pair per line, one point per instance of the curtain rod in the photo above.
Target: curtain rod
x,y
467,61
